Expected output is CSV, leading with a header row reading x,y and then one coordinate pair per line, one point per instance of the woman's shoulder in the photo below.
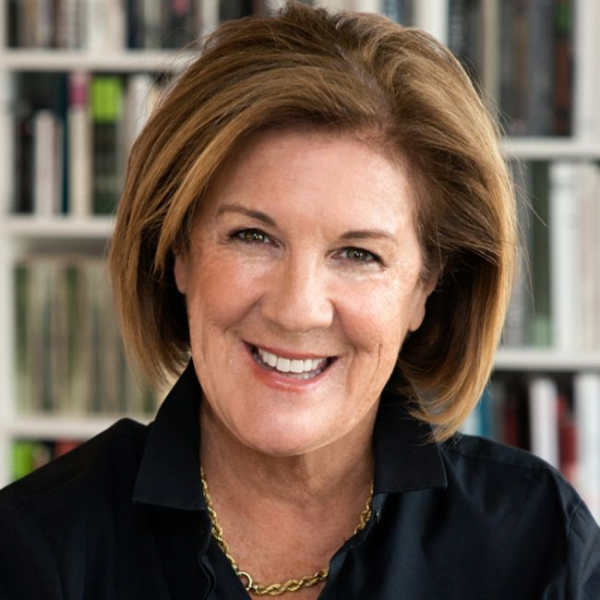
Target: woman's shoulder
x,y
111,456
515,480
53,519
481,461
473,448
524,503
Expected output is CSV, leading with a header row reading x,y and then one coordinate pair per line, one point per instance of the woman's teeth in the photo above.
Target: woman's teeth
x,y
303,369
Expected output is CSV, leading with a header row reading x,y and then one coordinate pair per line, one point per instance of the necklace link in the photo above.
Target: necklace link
x,y
273,589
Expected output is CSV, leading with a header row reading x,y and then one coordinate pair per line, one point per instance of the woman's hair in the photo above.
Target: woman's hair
x,y
346,73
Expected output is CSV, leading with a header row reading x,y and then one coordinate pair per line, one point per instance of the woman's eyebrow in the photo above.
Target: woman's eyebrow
x,y
254,214
365,234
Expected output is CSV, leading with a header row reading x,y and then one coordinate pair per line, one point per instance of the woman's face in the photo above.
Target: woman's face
x,y
301,281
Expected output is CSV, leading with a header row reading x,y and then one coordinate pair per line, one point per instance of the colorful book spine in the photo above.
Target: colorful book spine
x,y
80,147
107,159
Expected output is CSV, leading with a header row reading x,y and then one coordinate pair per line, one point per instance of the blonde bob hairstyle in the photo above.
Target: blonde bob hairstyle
x,y
346,73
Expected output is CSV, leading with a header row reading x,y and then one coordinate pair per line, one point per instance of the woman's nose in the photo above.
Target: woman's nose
x,y
297,299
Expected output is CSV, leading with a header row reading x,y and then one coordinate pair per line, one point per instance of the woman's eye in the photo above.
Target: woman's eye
x,y
358,255
251,236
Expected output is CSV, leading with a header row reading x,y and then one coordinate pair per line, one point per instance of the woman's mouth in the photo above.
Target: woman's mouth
x,y
295,368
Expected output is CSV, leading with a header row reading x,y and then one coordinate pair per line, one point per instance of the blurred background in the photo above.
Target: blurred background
x,y
78,78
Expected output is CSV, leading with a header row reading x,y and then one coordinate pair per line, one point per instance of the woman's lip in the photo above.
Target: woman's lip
x,y
288,354
285,381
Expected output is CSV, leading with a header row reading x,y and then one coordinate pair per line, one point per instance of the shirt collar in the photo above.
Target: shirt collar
x,y
169,473
406,460
169,470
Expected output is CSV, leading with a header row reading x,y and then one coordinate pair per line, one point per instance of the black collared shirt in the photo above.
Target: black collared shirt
x,y
123,517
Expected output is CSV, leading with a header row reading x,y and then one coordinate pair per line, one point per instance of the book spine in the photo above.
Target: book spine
x,y
95,25
563,67
586,120
565,232
541,328
543,419
490,49
588,249
519,71
587,414
7,145
567,432
431,15
209,12
151,25
80,147
539,92
23,368
106,114
519,311
46,138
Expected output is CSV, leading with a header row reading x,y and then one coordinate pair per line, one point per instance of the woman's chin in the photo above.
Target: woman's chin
x,y
282,442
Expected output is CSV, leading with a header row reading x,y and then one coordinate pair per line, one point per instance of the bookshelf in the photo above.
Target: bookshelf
x,y
60,234
21,234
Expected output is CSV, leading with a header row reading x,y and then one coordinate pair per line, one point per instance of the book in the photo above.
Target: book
x,y
563,67
567,434
180,20
539,93
518,318
540,333
8,144
80,147
107,151
27,455
47,164
586,77
543,419
586,392
519,55
588,249
565,222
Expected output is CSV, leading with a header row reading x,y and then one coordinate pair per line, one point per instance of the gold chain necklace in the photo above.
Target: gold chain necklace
x,y
274,589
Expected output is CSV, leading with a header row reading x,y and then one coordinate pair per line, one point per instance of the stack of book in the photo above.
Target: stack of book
x,y
70,153
556,418
520,53
100,25
69,357
557,296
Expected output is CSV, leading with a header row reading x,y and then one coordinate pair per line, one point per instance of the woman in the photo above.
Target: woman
x,y
318,222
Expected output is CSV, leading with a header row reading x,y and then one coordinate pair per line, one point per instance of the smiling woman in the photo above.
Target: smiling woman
x,y
317,237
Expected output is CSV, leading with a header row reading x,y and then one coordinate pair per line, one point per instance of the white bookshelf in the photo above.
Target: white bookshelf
x,y
546,360
130,61
26,228
19,234
552,148
56,427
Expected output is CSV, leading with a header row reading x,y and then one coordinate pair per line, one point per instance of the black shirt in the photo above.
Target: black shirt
x,y
123,517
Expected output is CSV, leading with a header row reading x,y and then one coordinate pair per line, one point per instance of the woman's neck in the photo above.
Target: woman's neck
x,y
285,517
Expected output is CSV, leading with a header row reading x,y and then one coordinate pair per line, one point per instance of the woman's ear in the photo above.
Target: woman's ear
x,y
428,285
180,271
